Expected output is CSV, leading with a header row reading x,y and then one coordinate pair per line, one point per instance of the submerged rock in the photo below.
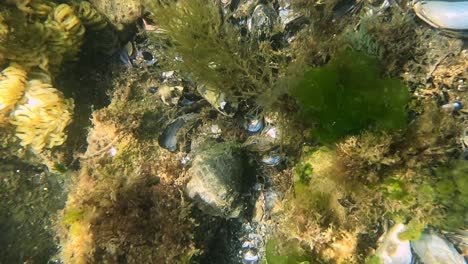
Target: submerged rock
x,y
216,177
120,13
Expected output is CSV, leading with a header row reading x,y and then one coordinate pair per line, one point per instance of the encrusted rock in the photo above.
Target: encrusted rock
x,y
119,12
216,176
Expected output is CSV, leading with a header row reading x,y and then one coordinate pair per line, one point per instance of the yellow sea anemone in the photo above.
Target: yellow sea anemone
x,y
42,119
65,16
12,85
66,34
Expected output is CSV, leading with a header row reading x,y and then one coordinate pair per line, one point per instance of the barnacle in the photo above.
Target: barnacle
x,y
12,85
42,119
90,17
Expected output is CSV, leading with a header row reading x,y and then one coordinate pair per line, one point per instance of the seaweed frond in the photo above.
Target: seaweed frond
x,y
212,50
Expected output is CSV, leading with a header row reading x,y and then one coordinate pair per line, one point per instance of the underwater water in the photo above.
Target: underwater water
x,y
234,131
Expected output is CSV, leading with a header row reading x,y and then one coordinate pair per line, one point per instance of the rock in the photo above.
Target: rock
x,y
120,13
216,176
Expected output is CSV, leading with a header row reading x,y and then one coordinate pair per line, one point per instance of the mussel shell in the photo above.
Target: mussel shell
x,y
432,248
168,139
449,15
149,58
262,21
271,159
344,7
254,126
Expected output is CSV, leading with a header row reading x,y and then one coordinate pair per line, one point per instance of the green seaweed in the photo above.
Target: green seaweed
x,y
211,50
348,96
452,193
413,231
291,253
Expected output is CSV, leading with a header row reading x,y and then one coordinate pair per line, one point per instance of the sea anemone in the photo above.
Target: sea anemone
x,y
42,119
12,85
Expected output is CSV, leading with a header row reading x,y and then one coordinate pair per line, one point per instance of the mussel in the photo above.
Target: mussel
x,y
392,249
254,125
449,15
168,138
432,248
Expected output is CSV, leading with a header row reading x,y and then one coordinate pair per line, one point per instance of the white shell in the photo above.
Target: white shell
x,y
443,14
433,249
393,250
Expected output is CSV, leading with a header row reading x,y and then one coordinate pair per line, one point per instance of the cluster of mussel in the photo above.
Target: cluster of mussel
x,y
186,98
258,131
431,248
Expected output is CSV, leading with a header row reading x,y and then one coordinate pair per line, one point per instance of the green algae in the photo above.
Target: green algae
x,y
213,51
285,253
348,96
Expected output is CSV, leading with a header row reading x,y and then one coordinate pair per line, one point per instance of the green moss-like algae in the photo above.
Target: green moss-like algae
x,y
348,96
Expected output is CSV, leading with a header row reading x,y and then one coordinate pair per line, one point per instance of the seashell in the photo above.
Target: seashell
x,y
168,138
125,59
272,132
149,59
247,245
431,248
460,84
271,159
217,100
447,15
255,125
260,143
452,107
343,7
186,102
262,21
393,250
459,238
152,90
291,21
170,95
167,74
250,257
